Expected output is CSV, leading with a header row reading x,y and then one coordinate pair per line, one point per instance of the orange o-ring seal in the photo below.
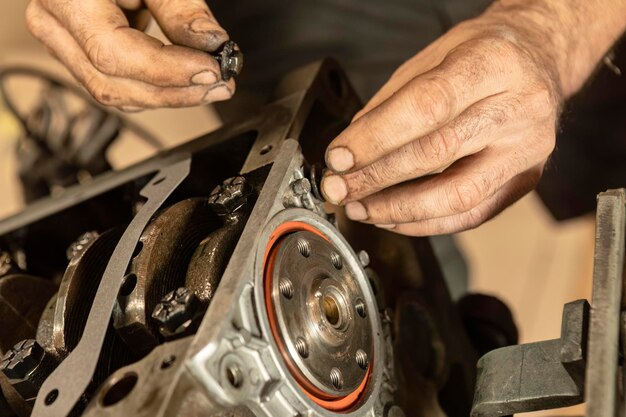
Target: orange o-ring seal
x,y
321,398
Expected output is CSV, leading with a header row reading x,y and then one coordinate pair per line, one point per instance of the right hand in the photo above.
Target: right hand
x,y
123,67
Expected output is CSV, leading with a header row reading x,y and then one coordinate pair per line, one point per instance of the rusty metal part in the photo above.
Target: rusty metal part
x,y
230,59
536,376
212,255
26,366
178,313
78,289
229,196
22,300
159,266
80,244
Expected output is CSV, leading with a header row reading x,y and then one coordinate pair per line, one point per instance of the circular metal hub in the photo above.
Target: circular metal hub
x,y
320,315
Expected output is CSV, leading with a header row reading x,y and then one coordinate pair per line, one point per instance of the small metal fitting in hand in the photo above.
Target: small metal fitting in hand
x,y
230,59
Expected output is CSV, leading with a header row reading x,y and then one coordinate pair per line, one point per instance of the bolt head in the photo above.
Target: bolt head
x,y
231,60
230,196
22,359
80,244
176,311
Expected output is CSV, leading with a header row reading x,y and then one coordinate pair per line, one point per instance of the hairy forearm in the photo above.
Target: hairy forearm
x,y
573,34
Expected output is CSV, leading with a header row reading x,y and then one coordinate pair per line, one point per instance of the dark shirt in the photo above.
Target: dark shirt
x,y
368,38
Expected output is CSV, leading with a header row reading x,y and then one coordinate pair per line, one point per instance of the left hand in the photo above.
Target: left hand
x,y
459,132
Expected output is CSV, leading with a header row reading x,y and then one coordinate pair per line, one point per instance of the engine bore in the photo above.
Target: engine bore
x,y
318,316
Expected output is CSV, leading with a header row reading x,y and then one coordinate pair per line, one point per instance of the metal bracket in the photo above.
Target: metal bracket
x,y
535,376
59,394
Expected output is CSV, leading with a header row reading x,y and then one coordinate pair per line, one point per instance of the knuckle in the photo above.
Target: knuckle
x,y
540,103
101,53
433,101
472,219
436,148
32,19
466,193
371,177
400,210
99,90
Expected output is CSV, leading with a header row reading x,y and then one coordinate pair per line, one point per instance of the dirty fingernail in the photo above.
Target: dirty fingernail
x,y
356,211
340,159
334,188
205,77
217,94
203,25
131,109
386,226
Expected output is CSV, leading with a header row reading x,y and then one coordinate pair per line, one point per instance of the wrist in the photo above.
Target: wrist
x,y
569,37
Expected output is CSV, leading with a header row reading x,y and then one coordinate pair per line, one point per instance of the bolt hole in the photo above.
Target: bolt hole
x,y
158,181
168,362
304,247
286,288
336,260
128,285
302,347
234,376
361,359
360,308
336,378
138,249
266,149
119,390
51,397
331,310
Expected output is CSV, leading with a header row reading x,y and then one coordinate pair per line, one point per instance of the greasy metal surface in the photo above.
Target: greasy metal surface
x,y
602,360
78,289
535,376
59,394
211,257
159,266
321,313
22,300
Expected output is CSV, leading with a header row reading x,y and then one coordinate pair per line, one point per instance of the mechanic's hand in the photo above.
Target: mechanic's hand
x,y
477,108
123,67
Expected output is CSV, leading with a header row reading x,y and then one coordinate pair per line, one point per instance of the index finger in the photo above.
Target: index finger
x,y
115,49
422,106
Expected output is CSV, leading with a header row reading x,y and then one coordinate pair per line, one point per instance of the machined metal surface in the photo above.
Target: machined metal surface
x,y
321,314
604,330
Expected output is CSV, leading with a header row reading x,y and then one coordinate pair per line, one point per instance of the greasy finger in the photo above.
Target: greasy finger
x,y
460,188
188,23
102,31
113,91
483,123
512,191
420,107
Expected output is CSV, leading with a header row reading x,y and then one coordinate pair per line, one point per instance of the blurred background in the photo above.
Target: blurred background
x,y
524,256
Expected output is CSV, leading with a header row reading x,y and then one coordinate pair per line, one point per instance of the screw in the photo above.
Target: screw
x,y
80,244
177,312
7,263
301,187
364,258
230,59
22,359
230,196
394,411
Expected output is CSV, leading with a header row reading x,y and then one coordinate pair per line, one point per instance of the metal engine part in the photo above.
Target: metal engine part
x,y
211,280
